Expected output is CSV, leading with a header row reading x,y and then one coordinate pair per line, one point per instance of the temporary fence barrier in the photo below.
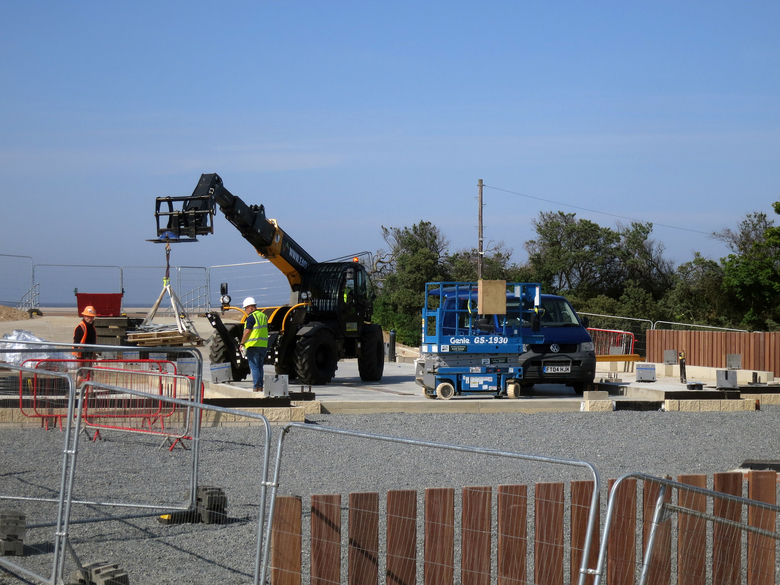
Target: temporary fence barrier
x,y
125,412
719,536
56,510
44,397
385,538
611,341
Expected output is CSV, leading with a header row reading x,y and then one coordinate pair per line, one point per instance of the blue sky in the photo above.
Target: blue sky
x,y
342,117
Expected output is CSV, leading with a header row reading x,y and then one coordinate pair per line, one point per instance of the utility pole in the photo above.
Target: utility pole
x,y
480,253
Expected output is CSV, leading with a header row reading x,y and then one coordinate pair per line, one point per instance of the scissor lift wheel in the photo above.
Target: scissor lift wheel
x,y
445,391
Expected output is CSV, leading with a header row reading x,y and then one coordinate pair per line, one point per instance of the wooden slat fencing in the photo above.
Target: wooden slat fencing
x,y
759,351
537,539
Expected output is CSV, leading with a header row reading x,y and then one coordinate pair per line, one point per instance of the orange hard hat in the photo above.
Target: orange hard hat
x,y
89,311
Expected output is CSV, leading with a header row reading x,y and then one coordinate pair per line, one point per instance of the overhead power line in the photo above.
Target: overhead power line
x,y
674,227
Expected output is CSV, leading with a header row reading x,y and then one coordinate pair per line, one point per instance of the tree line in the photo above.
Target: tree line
x,y
618,271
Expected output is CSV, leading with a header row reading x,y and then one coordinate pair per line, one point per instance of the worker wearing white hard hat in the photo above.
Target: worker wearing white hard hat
x,y
254,341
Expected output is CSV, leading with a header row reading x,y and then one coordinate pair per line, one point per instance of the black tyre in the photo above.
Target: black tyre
x,y
371,360
221,353
316,357
287,369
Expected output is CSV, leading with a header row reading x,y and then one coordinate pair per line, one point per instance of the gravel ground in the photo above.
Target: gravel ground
x,y
131,468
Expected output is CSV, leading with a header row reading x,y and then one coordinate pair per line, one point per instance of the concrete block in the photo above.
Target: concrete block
x,y
595,395
738,405
709,405
308,406
689,405
598,406
672,405
769,398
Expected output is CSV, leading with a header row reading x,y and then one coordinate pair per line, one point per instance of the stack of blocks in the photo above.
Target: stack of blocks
x,y
211,505
13,529
100,573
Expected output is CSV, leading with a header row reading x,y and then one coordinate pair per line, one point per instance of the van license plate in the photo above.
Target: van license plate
x,y
557,369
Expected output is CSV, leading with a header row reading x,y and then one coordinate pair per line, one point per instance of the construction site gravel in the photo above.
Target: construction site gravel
x,y
131,467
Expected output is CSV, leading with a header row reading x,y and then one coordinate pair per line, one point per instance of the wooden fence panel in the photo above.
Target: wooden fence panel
x,y
621,547
439,568
401,537
325,539
475,558
581,494
512,567
726,540
548,545
759,350
692,534
363,551
762,486
286,541
660,569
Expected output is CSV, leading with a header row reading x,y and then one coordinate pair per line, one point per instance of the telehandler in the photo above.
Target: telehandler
x,y
328,317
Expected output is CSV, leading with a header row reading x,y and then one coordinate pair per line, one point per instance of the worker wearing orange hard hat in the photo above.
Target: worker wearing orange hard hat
x,y
85,334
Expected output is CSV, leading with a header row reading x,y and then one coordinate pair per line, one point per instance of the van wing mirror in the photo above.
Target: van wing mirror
x,y
536,322
585,322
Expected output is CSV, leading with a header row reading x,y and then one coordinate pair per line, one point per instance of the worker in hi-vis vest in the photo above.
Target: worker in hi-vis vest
x,y
85,334
254,342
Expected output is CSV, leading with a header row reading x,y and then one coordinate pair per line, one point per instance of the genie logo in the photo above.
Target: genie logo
x,y
460,340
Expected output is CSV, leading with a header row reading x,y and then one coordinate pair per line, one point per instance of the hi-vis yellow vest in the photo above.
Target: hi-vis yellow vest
x,y
259,335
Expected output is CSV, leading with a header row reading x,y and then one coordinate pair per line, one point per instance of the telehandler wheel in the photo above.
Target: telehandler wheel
x,y
371,360
445,391
316,357
286,369
514,390
219,352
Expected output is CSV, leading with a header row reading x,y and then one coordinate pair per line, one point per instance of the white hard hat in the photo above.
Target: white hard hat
x,y
248,301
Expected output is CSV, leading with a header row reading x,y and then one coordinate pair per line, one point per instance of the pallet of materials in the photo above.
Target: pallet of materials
x,y
163,338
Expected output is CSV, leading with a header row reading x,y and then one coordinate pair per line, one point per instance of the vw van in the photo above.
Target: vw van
x,y
566,356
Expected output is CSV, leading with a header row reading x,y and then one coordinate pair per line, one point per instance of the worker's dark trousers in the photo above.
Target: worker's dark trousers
x,y
256,356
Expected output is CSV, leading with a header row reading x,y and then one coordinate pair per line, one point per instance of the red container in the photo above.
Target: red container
x,y
106,304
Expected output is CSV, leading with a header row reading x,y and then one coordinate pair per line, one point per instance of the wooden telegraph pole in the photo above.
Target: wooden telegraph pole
x,y
480,252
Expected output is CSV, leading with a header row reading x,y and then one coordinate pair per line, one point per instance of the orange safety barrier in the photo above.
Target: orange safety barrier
x,y
46,397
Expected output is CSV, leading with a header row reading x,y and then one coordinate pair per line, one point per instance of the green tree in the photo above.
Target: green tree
x,y
574,256
751,274
697,295
642,261
496,265
415,257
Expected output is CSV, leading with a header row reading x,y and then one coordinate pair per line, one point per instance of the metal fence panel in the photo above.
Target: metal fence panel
x,y
104,499
691,534
397,526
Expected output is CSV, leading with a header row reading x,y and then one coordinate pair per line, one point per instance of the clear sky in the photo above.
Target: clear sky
x,y
342,117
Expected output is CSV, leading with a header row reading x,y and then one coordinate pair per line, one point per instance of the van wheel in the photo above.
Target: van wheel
x,y
513,390
445,391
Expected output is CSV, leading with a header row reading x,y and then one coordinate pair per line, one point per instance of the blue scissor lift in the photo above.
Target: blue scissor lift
x,y
468,349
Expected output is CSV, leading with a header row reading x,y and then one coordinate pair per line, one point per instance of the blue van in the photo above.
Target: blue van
x,y
566,356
